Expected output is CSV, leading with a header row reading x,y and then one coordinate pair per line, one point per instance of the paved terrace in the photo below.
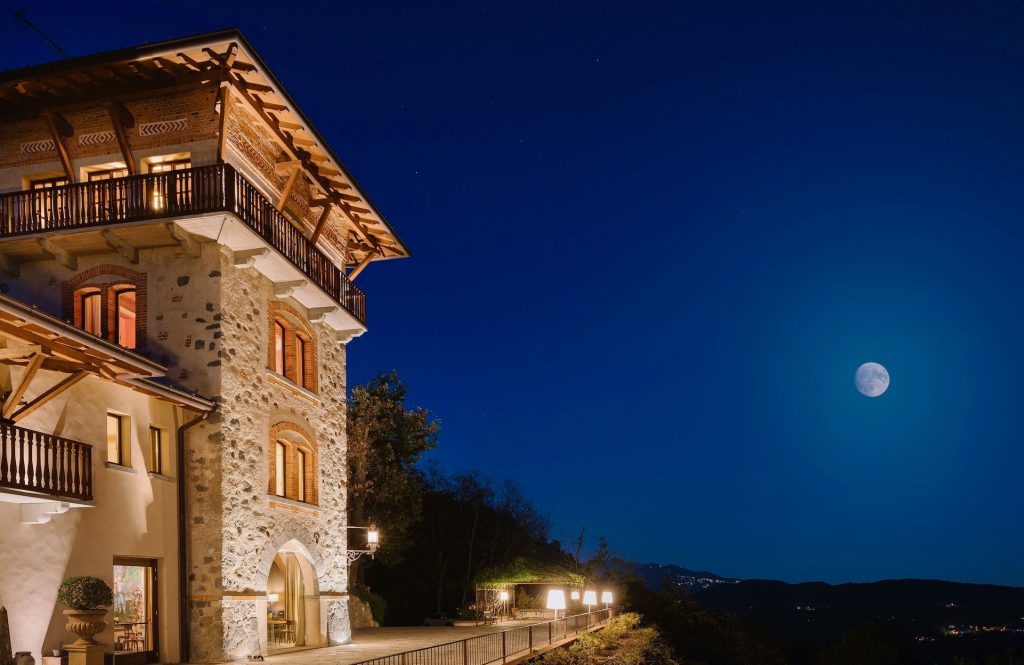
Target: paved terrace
x,y
370,643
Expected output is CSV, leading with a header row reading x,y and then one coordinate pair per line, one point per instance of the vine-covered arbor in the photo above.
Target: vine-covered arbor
x,y
492,582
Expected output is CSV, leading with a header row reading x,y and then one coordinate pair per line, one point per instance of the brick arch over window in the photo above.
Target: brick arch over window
x,y
108,278
298,334
295,439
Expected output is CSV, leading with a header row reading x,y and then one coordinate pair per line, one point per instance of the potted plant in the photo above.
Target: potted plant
x,y
86,599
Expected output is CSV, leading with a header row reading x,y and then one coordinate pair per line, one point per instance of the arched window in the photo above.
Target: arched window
x,y
293,467
124,302
292,347
90,302
109,301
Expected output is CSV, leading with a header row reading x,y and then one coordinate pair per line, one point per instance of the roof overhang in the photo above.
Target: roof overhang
x,y
64,348
226,59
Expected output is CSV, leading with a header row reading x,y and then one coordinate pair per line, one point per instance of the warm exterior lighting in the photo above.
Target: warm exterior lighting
x,y
503,596
575,595
556,600
590,598
606,598
373,538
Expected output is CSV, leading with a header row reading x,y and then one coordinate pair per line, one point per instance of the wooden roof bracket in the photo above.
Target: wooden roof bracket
x,y
14,398
122,120
359,268
59,130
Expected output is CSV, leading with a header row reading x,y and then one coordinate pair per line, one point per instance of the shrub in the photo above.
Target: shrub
x,y
84,593
378,606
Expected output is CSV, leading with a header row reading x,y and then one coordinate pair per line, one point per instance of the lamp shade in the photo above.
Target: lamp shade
x,y
503,596
556,599
606,596
575,595
590,598
273,597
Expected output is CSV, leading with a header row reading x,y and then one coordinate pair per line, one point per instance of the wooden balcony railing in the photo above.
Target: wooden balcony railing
x,y
198,190
44,463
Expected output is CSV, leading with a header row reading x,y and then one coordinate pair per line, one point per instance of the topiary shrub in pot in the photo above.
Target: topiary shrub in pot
x,y
86,599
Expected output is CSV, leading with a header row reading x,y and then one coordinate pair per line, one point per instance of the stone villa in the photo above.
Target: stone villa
x,y
178,250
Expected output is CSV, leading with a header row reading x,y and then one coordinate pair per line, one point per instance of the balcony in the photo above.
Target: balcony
x,y
33,464
155,196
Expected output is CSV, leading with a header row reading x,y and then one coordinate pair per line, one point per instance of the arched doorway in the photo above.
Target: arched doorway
x,y
293,600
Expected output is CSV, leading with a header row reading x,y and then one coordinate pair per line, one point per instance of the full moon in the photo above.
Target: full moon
x,y
871,379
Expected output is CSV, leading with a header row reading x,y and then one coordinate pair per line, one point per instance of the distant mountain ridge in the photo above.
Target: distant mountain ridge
x,y
924,611
657,575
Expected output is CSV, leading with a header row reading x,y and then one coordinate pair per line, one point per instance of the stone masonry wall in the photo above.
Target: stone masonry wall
x,y
254,526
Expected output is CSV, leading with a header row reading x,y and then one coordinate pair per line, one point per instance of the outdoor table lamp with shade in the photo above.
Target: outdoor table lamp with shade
x,y
575,595
503,599
606,598
556,600
589,599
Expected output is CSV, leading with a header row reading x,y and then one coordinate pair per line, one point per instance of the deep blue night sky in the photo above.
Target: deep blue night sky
x,y
651,249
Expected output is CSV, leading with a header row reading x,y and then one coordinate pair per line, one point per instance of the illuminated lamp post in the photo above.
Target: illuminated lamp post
x,y
503,597
606,598
556,600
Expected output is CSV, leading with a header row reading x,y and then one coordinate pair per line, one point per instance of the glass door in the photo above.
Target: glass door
x,y
136,632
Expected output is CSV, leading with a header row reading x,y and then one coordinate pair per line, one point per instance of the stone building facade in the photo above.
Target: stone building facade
x,y
185,210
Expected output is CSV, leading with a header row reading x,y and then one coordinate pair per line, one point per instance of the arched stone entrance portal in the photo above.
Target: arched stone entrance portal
x,y
293,601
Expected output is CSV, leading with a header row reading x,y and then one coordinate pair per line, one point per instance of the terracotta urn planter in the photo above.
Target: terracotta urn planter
x,y
85,624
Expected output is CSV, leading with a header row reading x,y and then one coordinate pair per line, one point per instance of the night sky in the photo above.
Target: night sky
x,y
650,250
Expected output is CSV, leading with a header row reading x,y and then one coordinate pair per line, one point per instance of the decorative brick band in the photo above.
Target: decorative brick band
x,y
96,138
37,147
163,127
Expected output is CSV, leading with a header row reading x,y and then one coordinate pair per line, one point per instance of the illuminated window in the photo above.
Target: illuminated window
x,y
117,434
91,303
115,311
126,323
300,360
49,199
156,449
174,188
293,464
279,335
292,352
281,453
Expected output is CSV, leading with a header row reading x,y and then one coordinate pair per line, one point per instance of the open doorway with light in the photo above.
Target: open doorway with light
x,y
136,629
293,605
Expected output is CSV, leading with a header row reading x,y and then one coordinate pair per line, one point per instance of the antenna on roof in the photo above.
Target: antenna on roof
x,y
20,15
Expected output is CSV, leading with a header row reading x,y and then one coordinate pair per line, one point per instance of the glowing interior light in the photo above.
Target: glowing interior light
x,y
556,599
273,597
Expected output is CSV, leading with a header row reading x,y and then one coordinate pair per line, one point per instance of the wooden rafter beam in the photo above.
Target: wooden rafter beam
x,y
359,268
19,351
48,395
321,222
121,119
59,130
286,191
223,100
18,391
